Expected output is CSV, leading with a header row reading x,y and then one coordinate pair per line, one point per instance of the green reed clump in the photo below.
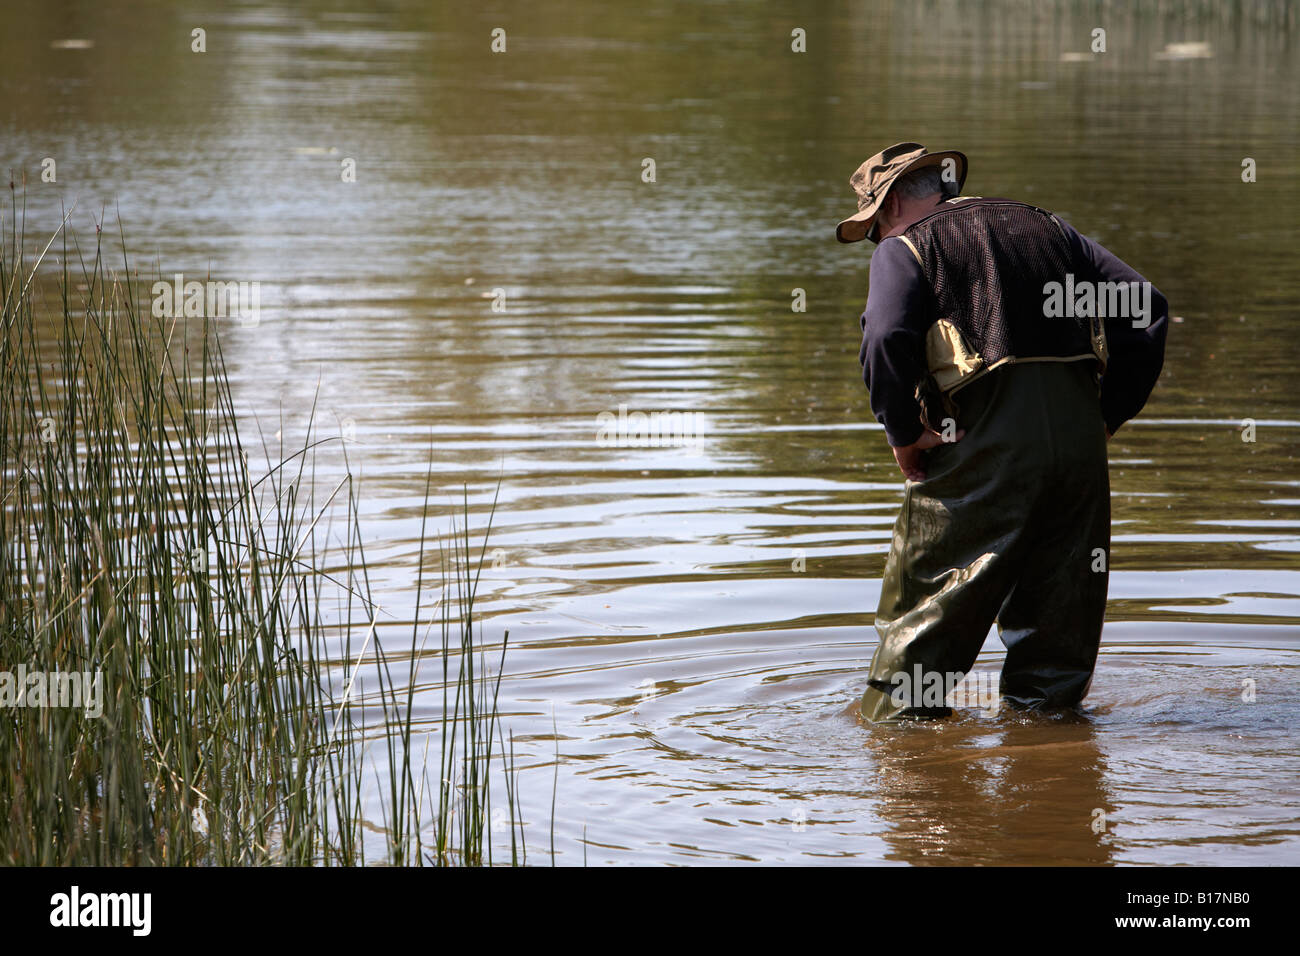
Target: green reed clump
x,y
227,637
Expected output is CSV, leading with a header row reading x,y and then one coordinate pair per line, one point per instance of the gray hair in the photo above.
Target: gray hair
x,y
923,182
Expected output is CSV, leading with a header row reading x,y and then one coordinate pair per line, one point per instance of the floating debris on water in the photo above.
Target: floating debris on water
x,y
1185,51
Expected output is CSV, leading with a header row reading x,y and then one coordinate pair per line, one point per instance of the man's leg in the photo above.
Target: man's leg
x,y
953,560
936,638
1051,622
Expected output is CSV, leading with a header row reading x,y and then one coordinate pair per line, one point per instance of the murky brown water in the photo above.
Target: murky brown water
x,y
701,684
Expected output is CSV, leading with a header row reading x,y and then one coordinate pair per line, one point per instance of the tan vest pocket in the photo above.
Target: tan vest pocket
x,y
949,357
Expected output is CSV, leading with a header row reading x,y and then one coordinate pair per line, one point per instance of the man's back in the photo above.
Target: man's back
x,y
987,261
968,289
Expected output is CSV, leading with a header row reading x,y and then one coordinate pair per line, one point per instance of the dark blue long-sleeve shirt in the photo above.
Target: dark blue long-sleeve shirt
x,y
901,308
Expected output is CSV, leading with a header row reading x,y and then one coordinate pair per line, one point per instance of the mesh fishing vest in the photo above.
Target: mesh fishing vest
x,y
988,261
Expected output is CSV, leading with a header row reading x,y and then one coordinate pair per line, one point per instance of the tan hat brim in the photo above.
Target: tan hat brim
x,y
856,227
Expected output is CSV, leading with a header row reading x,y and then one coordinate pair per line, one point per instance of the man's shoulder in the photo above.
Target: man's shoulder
x,y
894,254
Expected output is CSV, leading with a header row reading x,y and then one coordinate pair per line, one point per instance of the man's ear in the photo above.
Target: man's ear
x,y
887,213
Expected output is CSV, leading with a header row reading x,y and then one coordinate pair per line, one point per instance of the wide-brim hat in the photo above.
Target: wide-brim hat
x,y
873,178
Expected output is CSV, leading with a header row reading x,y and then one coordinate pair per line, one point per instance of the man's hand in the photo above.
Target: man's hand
x,y
910,458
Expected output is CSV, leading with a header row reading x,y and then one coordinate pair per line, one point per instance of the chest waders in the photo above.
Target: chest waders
x,y
1012,523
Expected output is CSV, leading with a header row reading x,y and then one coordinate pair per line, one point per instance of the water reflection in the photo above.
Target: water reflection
x,y
1025,790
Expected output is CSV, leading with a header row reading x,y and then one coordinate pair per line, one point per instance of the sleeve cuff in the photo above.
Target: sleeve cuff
x,y
898,439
